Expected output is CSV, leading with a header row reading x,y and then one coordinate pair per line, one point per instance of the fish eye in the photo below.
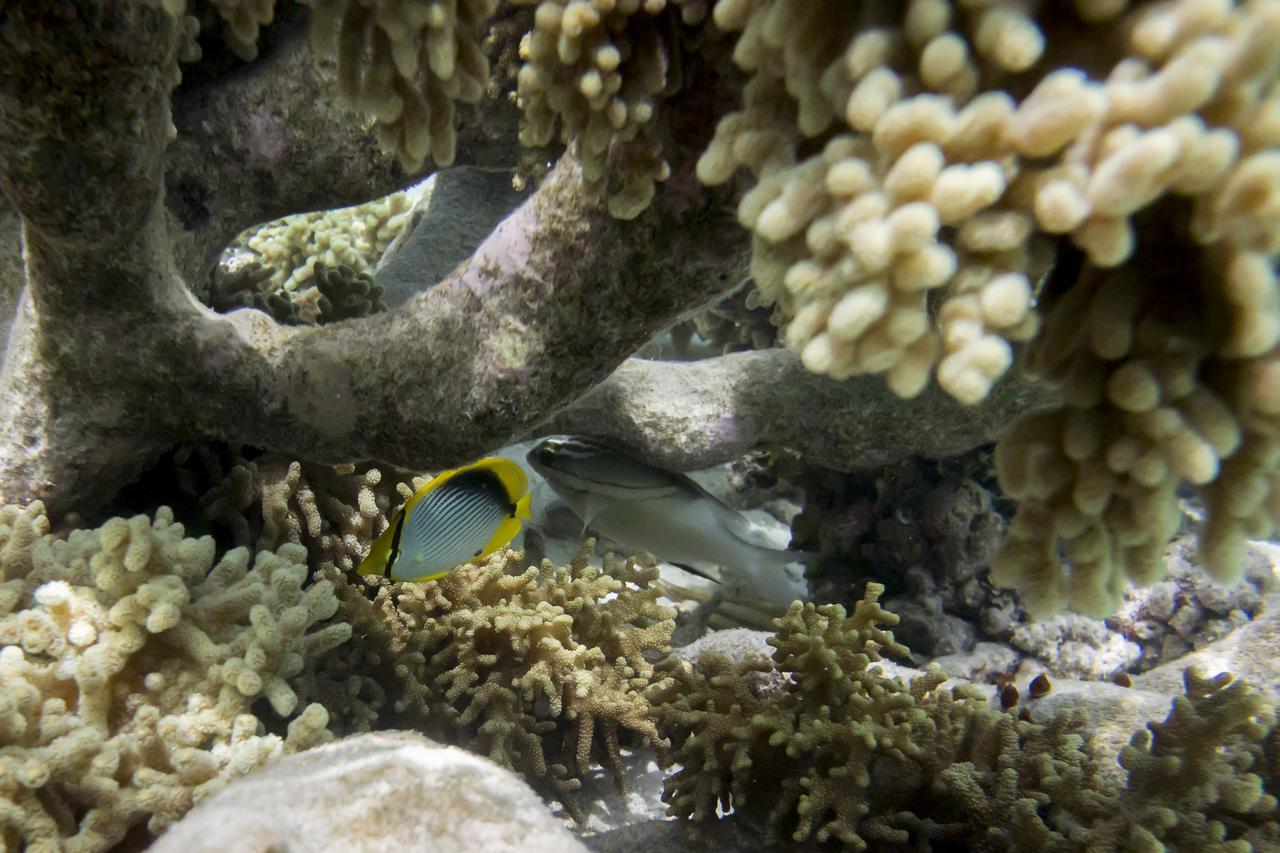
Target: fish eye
x,y
546,454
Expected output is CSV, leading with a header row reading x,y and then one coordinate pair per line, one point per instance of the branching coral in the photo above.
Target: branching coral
x,y
823,744
1197,780
405,64
840,750
265,501
598,70
542,669
901,211
129,661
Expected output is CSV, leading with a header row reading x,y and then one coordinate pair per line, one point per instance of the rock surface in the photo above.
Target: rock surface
x,y
445,227
386,792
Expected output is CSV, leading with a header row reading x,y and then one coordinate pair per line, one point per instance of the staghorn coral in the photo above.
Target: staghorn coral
x,y
542,669
840,750
902,215
826,745
1193,780
129,661
405,64
266,500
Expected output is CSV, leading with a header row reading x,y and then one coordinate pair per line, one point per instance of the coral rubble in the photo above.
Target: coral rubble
x,y
130,668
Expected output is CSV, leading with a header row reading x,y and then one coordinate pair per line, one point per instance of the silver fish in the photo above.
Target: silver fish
x,y
651,509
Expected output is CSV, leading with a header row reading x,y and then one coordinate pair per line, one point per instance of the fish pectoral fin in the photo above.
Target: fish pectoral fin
x,y
505,532
590,510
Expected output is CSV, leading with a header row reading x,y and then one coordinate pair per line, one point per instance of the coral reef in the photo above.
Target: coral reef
x,y
827,746
405,64
895,182
1199,779
821,741
1189,609
543,669
281,267
264,500
598,71
130,664
925,528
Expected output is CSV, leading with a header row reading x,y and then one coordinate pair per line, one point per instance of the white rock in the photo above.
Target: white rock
x,y
385,792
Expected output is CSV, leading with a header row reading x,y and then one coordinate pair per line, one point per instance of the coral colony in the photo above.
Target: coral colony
x,y
975,311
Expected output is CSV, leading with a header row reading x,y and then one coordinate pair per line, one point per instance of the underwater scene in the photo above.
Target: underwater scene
x,y
640,425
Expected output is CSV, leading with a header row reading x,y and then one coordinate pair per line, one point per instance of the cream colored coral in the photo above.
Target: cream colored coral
x,y
355,237
128,664
244,18
914,239
405,63
929,195
598,70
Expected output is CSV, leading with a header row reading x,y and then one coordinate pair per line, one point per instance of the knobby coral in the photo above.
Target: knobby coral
x,y
542,669
129,661
912,165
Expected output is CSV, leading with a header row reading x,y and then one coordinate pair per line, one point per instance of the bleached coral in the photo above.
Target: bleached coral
x,y
291,249
597,71
128,664
542,669
405,63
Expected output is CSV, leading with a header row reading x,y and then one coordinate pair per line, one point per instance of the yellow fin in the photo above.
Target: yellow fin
x,y
509,474
375,563
506,531
522,508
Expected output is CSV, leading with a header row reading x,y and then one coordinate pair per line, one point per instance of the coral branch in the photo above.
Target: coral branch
x,y
275,138
695,414
111,359
548,305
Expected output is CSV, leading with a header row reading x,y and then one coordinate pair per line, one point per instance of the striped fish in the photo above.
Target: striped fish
x,y
461,515
659,511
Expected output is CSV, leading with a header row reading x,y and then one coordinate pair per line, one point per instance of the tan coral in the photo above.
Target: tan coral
x,y
542,669
928,194
291,248
129,661
406,64
266,501
914,237
597,70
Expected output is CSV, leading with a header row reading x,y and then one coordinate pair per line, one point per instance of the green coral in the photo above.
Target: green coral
x,y
542,669
825,745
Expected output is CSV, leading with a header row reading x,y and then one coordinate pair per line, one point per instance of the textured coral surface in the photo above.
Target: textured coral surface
x,y
129,661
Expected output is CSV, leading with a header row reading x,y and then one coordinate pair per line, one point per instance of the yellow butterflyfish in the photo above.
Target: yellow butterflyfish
x,y
461,515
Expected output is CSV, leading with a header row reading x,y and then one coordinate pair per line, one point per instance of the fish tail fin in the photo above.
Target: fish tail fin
x,y
522,508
